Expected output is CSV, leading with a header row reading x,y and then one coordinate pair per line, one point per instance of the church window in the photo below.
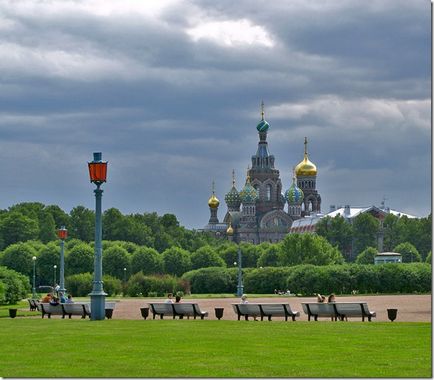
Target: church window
x,y
268,192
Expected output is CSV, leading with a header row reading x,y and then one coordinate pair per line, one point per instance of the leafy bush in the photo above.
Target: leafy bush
x,y
15,286
409,253
206,257
79,259
212,280
146,260
367,256
176,261
18,257
266,280
114,260
152,285
80,285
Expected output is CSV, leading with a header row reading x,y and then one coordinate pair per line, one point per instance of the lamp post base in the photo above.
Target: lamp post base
x,y
97,306
240,290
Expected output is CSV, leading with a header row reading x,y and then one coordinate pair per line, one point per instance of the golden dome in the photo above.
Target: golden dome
x,y
305,167
230,230
213,202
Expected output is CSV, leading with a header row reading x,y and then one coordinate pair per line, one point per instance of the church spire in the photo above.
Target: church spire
x,y
262,111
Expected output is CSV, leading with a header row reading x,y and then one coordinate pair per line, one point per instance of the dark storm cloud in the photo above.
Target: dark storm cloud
x,y
170,92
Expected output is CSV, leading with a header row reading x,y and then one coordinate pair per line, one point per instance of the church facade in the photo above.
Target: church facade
x,y
260,212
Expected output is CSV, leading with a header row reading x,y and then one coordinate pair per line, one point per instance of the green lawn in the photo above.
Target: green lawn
x,y
33,347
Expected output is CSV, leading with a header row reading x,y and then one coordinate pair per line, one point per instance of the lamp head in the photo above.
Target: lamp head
x,y
62,233
97,169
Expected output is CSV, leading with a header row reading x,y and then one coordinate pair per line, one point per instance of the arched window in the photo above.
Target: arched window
x,y
268,192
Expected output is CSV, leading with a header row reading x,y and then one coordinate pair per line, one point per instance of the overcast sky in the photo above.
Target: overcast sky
x,y
170,92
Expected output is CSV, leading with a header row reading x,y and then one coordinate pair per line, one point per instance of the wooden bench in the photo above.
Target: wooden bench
x,y
108,305
48,309
335,310
317,309
75,308
189,310
161,309
268,310
354,309
33,304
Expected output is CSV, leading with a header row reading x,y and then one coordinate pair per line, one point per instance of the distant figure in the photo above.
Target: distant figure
x,y
169,298
275,291
56,289
331,298
244,299
54,301
47,298
320,298
69,299
177,299
62,298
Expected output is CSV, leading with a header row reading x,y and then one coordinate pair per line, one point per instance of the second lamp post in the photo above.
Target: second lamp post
x,y
62,234
98,175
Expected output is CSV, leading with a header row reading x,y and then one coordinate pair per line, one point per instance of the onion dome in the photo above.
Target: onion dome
x,y
232,198
249,194
230,230
213,201
263,125
305,167
294,195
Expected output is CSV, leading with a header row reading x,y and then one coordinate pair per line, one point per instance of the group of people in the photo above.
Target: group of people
x,y
322,299
170,298
54,300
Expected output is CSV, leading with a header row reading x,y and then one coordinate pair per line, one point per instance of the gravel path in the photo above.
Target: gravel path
x,y
411,308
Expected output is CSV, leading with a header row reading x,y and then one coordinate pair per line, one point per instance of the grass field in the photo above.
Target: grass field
x,y
193,348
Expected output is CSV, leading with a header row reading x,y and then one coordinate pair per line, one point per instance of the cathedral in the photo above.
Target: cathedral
x,y
256,213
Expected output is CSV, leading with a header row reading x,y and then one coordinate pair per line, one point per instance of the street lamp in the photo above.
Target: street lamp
x,y
98,175
240,286
34,278
62,234
54,270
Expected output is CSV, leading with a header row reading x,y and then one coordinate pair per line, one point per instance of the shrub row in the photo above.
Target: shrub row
x,y
13,286
80,285
155,285
311,279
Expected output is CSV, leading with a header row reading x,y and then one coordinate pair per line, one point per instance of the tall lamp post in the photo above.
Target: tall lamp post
x,y
62,234
54,273
240,286
98,175
34,278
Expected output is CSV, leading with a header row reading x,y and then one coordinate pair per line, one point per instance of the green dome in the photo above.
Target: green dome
x,y
263,126
232,198
249,194
294,195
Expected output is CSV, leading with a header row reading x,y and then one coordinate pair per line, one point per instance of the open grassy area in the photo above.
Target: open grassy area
x,y
194,348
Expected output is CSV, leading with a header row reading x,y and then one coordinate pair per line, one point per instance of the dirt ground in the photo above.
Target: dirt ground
x,y
411,308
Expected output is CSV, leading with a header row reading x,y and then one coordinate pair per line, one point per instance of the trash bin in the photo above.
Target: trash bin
x,y
219,312
391,314
109,313
145,312
12,313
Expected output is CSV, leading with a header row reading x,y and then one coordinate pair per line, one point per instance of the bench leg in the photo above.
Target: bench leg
x,y
202,316
161,316
316,317
239,317
269,318
293,318
247,317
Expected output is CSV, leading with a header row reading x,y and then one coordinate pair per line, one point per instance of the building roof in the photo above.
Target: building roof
x,y
351,212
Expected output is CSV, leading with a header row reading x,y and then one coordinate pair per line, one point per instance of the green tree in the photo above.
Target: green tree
x,y
308,249
79,259
61,218
229,253
16,227
82,223
392,235
206,257
114,260
18,257
365,228
429,258
47,227
176,261
146,260
367,256
409,253
338,232
269,257
47,258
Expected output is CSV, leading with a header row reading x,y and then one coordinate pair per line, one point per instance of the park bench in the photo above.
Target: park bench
x,y
268,310
161,309
71,309
354,309
48,309
335,310
188,309
108,306
317,309
33,304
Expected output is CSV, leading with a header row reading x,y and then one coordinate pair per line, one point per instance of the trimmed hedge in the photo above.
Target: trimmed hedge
x,y
155,285
310,279
212,280
80,285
